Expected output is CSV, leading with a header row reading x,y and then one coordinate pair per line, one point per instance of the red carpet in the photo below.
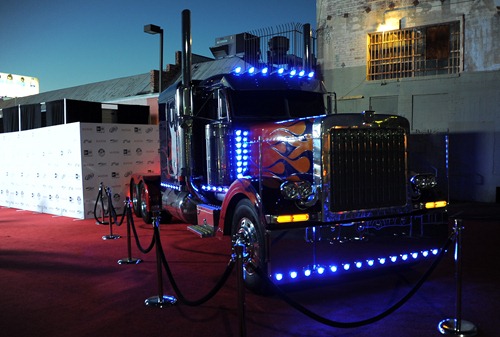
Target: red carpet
x,y
59,278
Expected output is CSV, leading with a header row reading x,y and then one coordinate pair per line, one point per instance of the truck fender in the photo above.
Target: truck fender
x,y
238,190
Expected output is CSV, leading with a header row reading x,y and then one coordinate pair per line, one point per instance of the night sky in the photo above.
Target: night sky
x,y
68,43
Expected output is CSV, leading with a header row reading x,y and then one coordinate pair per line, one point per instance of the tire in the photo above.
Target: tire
x,y
145,212
165,217
135,196
247,230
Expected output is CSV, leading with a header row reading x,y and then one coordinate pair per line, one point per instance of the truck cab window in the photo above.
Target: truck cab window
x,y
221,105
277,105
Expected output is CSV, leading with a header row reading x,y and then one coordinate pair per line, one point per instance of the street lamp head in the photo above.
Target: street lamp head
x,y
152,29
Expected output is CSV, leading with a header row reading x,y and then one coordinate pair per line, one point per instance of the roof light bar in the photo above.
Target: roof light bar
x,y
280,71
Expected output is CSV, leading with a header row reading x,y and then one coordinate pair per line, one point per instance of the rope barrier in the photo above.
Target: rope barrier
x,y
134,230
110,211
129,259
278,291
161,300
457,326
374,319
113,210
209,295
99,197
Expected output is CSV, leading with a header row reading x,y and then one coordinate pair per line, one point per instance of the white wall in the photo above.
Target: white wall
x,y
58,169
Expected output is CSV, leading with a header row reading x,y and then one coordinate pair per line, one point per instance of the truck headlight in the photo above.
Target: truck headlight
x,y
290,190
297,190
424,181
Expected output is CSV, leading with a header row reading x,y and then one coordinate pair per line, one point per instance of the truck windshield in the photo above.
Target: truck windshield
x,y
275,104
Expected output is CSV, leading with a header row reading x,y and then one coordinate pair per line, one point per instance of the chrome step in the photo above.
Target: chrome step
x,y
202,231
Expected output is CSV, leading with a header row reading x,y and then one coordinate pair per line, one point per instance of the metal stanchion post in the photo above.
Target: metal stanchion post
x,y
129,259
103,215
161,300
110,236
240,251
457,326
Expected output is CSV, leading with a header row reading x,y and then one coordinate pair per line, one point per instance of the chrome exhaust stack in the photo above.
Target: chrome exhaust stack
x,y
186,48
307,61
186,99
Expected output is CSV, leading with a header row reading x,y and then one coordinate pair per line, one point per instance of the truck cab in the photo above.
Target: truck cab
x,y
254,153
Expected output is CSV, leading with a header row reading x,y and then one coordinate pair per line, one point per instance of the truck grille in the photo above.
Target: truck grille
x,y
368,168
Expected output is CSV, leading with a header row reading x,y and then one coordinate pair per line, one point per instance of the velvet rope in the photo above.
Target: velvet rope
x,y
130,220
210,294
111,209
99,197
278,291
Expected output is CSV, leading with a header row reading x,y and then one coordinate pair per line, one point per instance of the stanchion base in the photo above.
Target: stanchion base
x,y
102,223
449,327
129,261
111,237
160,302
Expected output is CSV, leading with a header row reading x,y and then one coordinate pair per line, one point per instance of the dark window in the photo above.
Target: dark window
x,y
277,105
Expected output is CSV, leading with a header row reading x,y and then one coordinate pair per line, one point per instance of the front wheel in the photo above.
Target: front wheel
x,y
136,198
146,213
247,230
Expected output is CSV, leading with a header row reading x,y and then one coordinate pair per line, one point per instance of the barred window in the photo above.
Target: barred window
x,y
412,52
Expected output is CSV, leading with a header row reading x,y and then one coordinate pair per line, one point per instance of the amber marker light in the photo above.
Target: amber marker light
x,y
435,204
292,218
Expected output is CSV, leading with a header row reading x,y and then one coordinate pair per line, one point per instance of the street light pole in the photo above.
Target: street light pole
x,y
153,29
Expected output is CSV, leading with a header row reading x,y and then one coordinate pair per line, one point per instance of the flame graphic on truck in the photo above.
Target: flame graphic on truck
x,y
287,150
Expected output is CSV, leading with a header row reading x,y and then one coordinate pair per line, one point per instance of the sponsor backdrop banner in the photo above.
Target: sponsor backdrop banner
x,y
41,170
58,169
110,154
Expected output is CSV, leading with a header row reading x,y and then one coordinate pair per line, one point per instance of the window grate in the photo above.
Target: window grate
x,y
412,52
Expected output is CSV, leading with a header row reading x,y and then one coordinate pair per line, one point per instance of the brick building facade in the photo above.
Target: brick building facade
x,y
436,62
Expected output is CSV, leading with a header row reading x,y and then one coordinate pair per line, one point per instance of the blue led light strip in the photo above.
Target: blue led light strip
x,y
300,274
219,189
171,186
241,151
